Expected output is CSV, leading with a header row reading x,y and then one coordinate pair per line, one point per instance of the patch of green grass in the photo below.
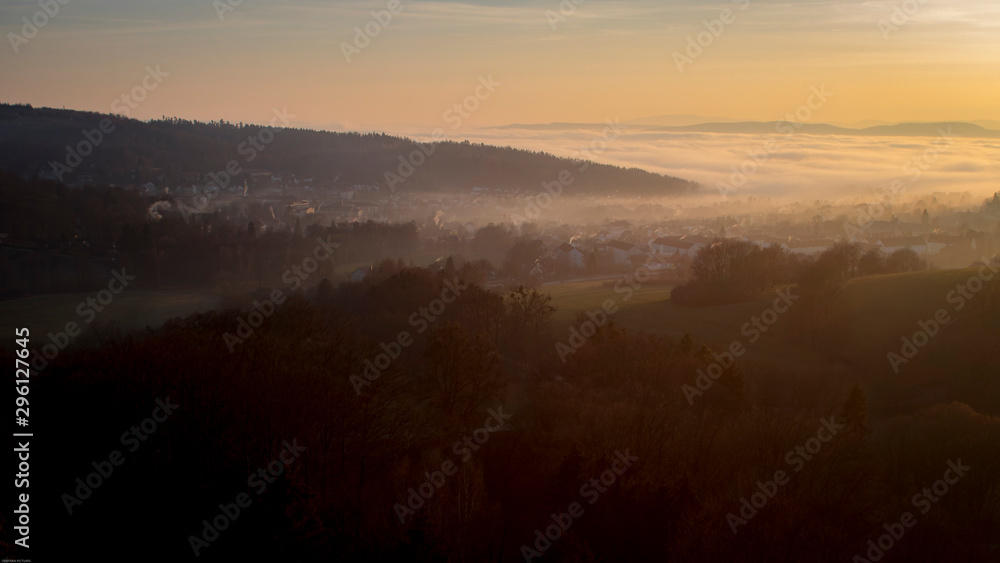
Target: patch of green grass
x,y
572,298
649,309
881,310
886,308
132,310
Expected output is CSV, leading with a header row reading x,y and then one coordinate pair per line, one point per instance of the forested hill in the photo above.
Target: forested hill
x,y
171,151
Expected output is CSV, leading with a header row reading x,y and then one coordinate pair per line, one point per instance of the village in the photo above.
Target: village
x,y
586,235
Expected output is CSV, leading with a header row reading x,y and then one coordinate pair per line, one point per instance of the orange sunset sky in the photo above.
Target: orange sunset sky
x,y
554,63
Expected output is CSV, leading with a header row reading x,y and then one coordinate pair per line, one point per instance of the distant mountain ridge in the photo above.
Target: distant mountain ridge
x,y
678,120
957,128
171,151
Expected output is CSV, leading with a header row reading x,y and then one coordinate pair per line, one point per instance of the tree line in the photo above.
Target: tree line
x,y
368,447
164,150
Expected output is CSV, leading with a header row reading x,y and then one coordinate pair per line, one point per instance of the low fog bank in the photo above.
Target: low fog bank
x,y
784,166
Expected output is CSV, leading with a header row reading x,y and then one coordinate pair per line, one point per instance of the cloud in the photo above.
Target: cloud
x,y
799,167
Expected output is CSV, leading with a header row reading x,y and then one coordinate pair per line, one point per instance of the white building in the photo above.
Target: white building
x,y
805,247
620,251
569,254
671,246
893,244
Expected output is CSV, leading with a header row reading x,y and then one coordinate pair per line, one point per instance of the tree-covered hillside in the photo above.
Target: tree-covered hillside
x,y
170,151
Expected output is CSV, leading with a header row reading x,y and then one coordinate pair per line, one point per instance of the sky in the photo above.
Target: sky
x,y
543,61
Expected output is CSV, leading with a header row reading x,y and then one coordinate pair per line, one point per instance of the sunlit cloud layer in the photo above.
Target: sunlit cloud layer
x,y
798,166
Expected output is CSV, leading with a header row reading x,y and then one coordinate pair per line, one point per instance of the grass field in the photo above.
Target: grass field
x,y
881,310
887,304
131,310
885,309
649,309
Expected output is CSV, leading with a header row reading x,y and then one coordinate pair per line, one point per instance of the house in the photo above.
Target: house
x,y
670,246
662,263
806,247
764,241
438,265
665,245
301,208
892,244
936,243
617,228
360,274
543,266
699,242
620,251
366,208
896,228
637,260
570,255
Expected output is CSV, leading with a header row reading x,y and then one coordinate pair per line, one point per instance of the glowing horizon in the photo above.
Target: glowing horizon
x,y
601,60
